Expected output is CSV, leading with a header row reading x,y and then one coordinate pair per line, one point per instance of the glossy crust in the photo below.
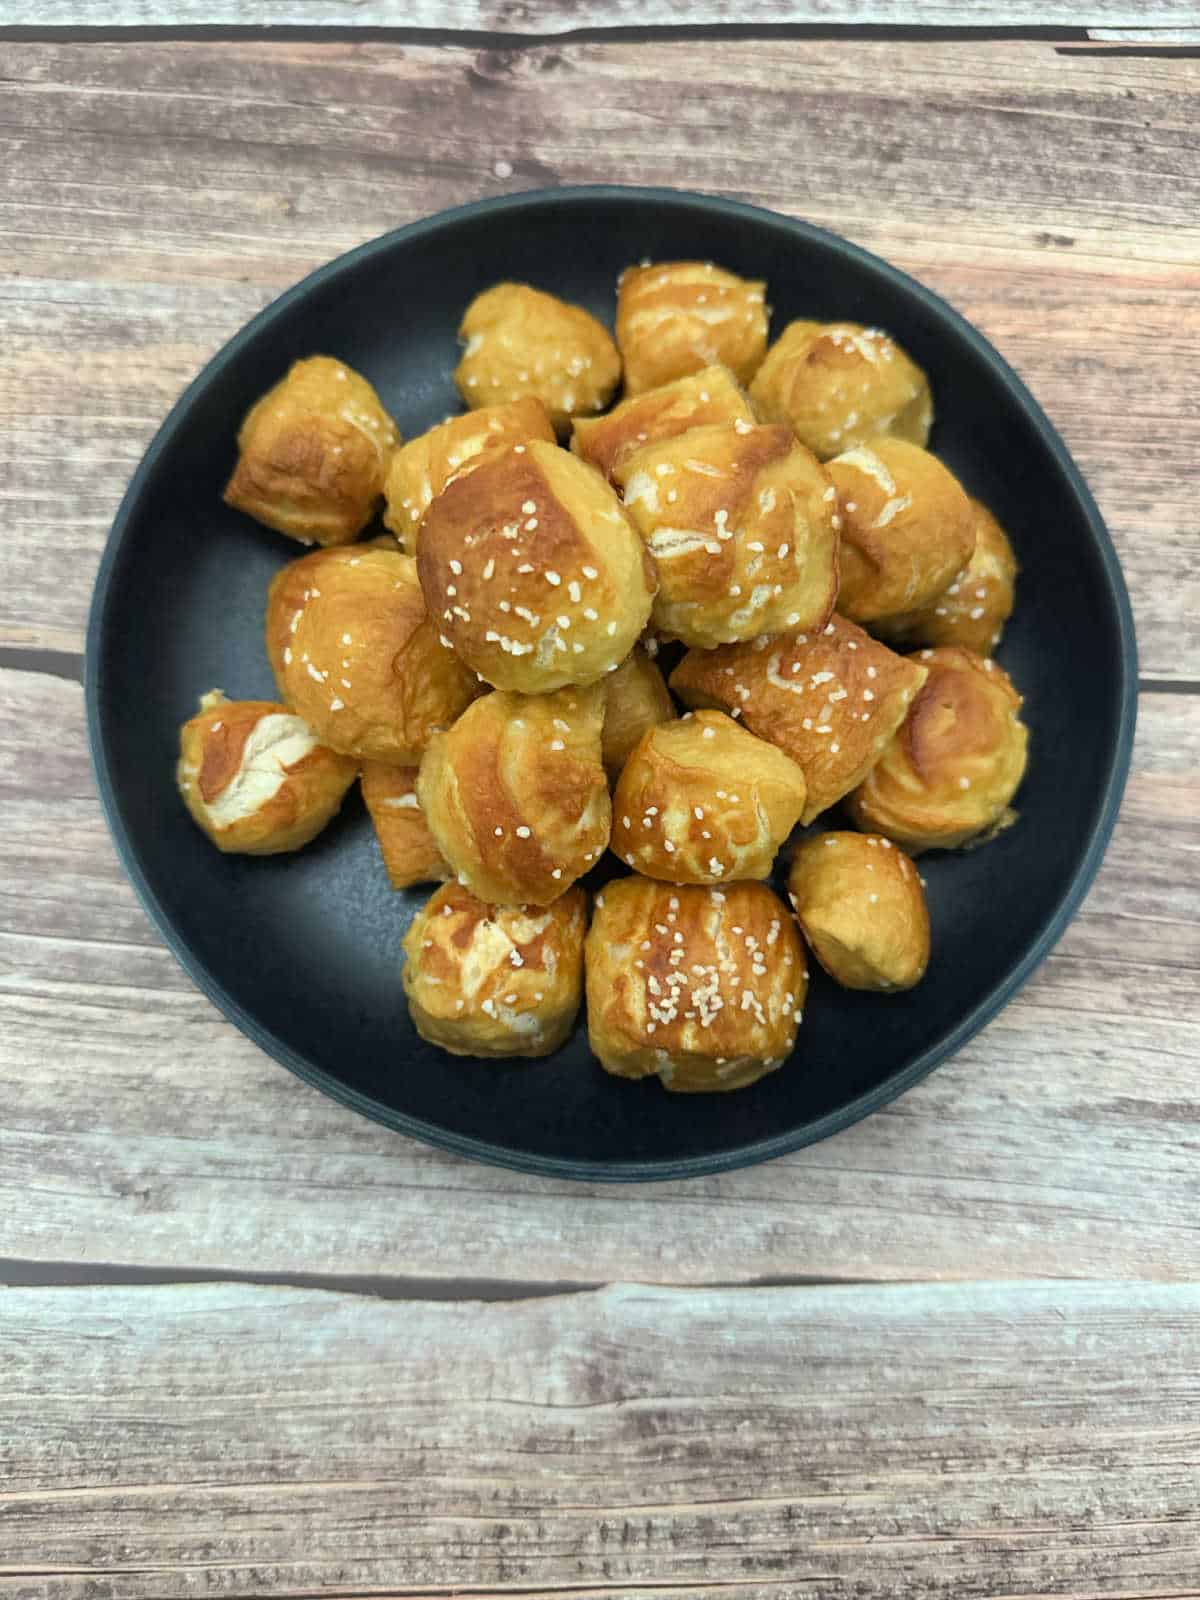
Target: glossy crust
x,y
520,341
313,454
355,654
676,317
704,801
972,611
255,777
702,398
702,986
741,523
907,528
515,794
862,909
637,700
947,777
487,980
831,700
423,467
410,853
534,571
838,384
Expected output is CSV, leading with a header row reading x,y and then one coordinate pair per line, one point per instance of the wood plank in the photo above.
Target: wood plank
x,y
568,16
1152,38
881,1444
140,1128
157,198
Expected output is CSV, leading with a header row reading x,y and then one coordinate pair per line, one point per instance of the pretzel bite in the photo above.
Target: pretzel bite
x,y
313,454
256,778
519,341
862,909
409,852
355,654
637,701
703,801
831,700
495,980
947,777
424,466
839,384
907,528
742,526
515,795
973,610
711,395
676,317
705,987
533,570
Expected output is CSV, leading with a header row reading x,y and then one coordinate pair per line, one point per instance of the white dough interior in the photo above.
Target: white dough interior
x,y
276,743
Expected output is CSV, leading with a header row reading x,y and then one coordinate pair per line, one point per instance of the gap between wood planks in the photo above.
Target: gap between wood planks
x,y
492,1592
1066,40
627,1591
69,665
28,1274
1121,41
495,39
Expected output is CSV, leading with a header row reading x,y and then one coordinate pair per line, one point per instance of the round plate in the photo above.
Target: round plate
x,y
302,952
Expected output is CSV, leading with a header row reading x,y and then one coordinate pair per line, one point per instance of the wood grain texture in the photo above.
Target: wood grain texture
x,y
156,198
548,17
232,1440
140,1128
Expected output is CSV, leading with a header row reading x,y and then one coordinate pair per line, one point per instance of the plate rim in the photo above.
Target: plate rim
x,y
745,1155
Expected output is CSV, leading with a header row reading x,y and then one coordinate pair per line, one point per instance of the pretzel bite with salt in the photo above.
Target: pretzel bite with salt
x,y
862,910
972,611
405,842
486,980
697,401
838,384
256,778
947,777
637,700
704,987
520,341
830,700
742,526
423,467
703,801
676,317
907,528
313,454
515,794
355,654
534,571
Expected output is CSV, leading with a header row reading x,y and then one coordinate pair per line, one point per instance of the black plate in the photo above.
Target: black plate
x,y
303,952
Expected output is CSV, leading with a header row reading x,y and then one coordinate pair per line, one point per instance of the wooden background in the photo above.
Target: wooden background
x,y
253,1345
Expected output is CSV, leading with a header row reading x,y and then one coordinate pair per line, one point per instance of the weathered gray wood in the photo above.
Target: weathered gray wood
x,y
1152,38
566,16
156,197
892,1443
140,1128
